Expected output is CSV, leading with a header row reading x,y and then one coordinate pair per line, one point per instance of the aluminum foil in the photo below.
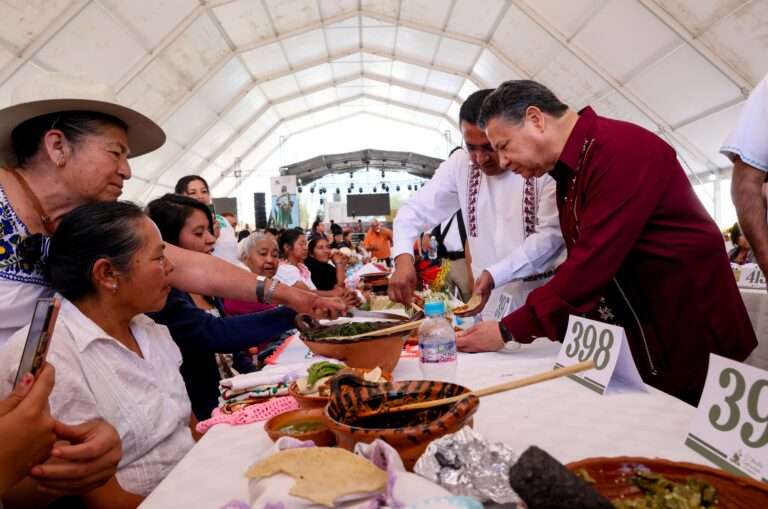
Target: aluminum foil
x,y
466,464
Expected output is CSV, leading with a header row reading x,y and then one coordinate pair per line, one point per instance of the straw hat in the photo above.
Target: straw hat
x,y
59,92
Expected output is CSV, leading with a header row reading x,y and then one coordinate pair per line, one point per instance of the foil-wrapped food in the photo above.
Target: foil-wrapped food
x,y
466,464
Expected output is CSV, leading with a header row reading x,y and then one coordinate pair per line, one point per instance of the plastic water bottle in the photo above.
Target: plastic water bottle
x,y
432,248
437,344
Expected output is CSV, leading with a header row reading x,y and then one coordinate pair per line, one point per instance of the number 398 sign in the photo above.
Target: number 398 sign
x,y
606,345
731,424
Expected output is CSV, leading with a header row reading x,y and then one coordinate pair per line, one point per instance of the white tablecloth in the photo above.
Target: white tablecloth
x,y
756,302
562,417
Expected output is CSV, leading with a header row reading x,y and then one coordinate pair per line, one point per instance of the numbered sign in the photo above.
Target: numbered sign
x,y
731,424
750,276
607,346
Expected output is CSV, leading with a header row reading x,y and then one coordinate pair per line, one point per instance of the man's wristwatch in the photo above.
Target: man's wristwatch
x,y
261,281
505,334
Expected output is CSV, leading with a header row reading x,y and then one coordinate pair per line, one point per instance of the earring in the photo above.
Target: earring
x,y
114,287
60,163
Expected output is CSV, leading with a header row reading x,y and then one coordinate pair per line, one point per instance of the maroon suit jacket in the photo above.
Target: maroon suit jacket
x,y
642,253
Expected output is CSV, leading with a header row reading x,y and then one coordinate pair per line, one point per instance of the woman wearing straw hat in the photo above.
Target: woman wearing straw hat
x,y
65,142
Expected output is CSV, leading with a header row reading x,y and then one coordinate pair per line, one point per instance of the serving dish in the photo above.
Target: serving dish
x,y
613,479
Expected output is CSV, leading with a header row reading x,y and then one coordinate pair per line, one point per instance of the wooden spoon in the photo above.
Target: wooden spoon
x,y
380,332
494,389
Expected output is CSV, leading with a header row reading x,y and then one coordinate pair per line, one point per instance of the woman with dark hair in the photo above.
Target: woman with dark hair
x,y
198,323
292,245
318,229
113,362
324,275
197,187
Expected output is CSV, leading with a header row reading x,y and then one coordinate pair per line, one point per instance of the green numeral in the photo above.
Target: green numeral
x,y
603,354
748,428
733,409
573,348
590,342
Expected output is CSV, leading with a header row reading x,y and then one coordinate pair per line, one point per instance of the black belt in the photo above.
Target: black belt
x,y
454,255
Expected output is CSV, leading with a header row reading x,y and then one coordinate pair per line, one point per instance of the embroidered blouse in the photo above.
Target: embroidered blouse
x,y
21,284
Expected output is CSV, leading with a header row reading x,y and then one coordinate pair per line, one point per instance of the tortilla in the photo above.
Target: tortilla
x,y
322,474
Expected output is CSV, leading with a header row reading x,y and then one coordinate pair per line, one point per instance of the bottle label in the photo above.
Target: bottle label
x,y
438,352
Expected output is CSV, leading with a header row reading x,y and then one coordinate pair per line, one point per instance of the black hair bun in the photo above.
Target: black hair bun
x,y
33,249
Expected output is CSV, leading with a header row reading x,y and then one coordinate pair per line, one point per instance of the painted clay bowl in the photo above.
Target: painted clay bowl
x,y
365,352
408,432
613,479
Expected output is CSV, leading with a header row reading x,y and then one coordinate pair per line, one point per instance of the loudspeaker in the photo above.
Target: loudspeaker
x,y
259,211
222,205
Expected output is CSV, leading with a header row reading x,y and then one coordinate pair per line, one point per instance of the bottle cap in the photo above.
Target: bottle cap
x,y
434,308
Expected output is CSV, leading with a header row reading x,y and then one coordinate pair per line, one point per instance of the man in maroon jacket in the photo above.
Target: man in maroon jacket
x,y
642,251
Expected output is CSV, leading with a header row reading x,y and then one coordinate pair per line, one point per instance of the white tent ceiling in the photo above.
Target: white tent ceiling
x,y
227,78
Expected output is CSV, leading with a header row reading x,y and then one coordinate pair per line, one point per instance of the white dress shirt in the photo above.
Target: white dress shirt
x,y
512,224
97,377
749,140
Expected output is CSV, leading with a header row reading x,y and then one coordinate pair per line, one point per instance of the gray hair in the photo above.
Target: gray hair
x,y
513,98
244,246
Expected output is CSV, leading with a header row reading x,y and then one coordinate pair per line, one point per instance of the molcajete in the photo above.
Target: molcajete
x,y
408,432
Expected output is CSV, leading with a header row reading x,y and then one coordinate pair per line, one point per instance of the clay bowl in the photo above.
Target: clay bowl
x,y
307,401
322,438
409,432
320,401
612,476
366,352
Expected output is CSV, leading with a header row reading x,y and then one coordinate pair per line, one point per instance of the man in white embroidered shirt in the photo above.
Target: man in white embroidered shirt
x,y
513,233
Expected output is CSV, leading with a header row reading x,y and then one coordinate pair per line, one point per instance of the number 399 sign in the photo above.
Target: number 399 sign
x,y
731,424
607,346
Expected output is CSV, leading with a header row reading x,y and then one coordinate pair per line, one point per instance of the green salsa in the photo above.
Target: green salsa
x,y
298,428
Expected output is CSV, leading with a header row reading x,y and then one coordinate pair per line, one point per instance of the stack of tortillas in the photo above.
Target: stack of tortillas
x,y
323,474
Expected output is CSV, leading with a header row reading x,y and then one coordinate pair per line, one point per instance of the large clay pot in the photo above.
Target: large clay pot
x,y
366,352
612,479
410,432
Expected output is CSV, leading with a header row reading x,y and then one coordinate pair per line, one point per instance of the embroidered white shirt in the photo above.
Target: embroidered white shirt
x,y
508,237
97,377
749,140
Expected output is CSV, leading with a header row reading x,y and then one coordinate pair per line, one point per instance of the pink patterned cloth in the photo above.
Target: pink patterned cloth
x,y
253,413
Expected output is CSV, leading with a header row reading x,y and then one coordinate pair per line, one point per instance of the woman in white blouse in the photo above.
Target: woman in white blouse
x,y
292,245
113,362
